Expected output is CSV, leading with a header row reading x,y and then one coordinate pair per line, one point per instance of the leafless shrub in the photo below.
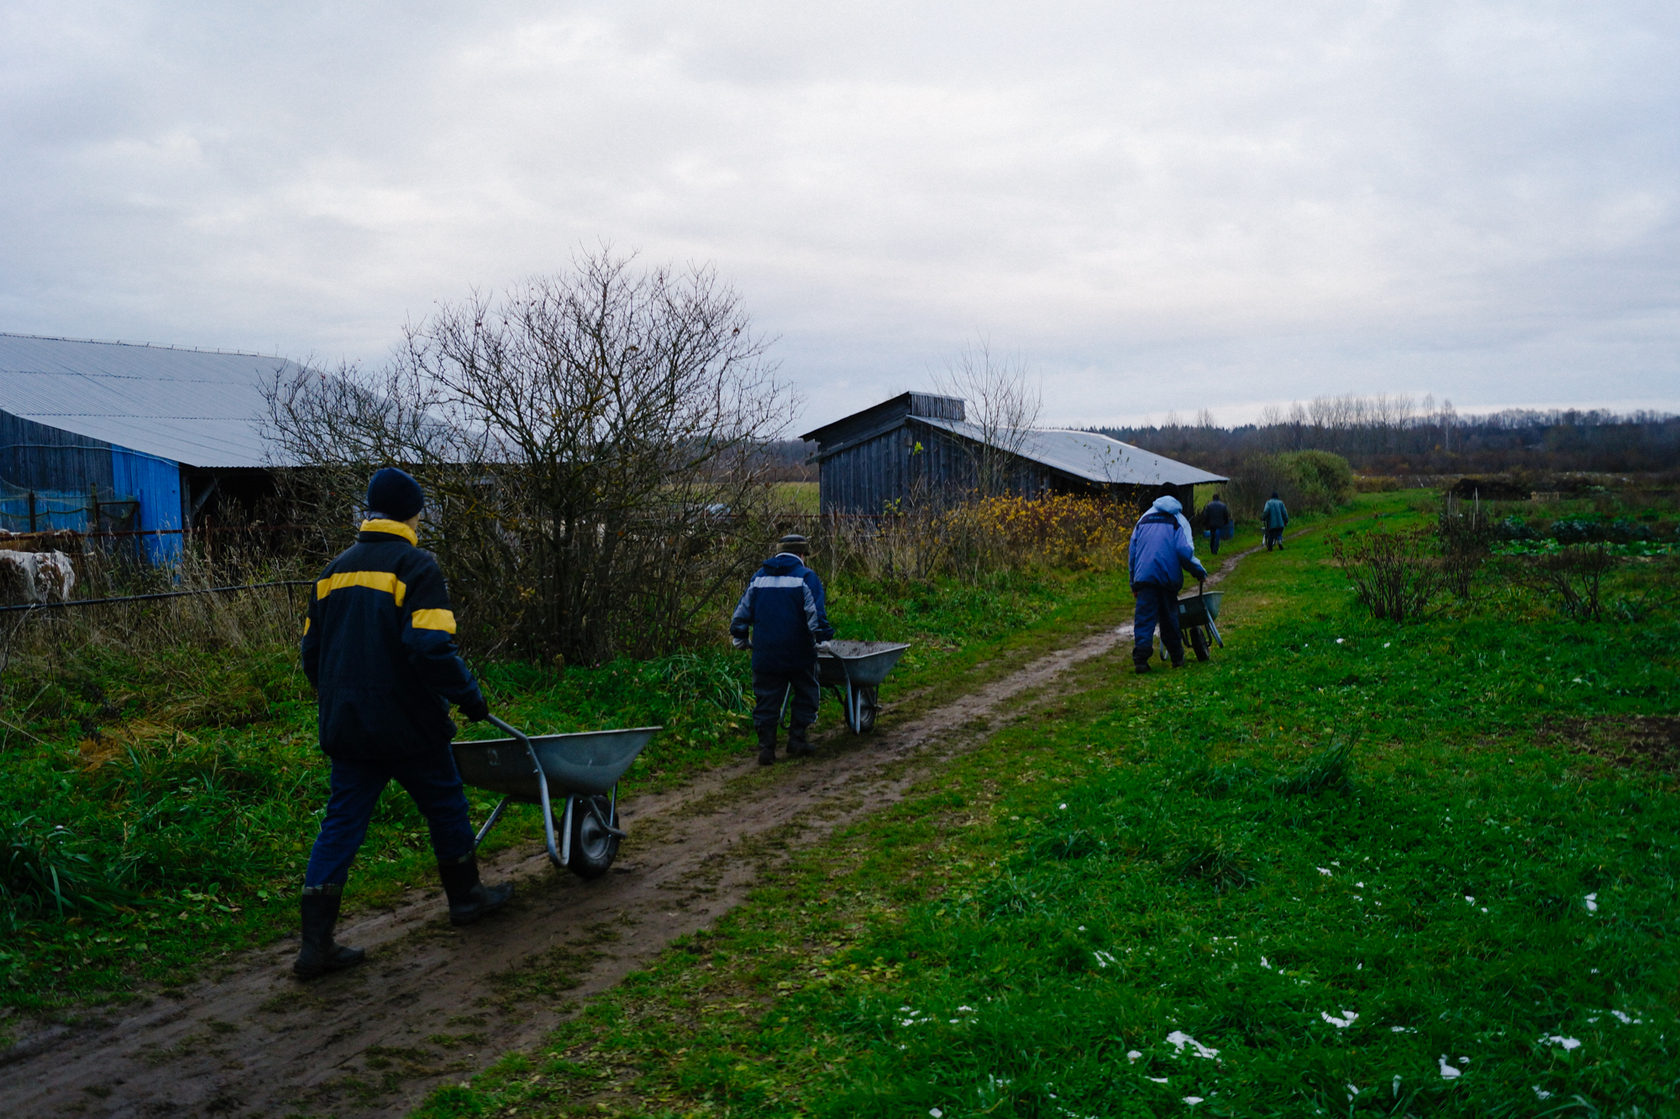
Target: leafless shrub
x,y
1394,574
1464,532
1571,578
590,444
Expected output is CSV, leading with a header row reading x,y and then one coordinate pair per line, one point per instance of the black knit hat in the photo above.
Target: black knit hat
x,y
795,543
394,494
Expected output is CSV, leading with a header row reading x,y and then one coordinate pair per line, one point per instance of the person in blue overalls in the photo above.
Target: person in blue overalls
x,y
782,618
1162,551
379,649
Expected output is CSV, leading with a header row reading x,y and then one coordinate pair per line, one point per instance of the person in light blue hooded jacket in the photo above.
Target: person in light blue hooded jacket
x,y
1163,549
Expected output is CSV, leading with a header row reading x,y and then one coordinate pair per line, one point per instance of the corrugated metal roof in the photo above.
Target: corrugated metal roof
x,y
198,407
1088,455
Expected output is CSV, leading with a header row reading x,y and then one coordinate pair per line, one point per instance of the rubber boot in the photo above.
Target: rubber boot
x,y
767,745
1140,659
319,955
798,745
469,898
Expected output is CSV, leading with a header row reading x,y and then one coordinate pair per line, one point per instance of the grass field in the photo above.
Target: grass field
x,y
1345,867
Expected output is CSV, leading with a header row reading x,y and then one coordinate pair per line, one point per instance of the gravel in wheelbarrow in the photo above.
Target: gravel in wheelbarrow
x,y
855,670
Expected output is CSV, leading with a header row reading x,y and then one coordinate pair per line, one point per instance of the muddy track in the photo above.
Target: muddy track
x,y
434,1004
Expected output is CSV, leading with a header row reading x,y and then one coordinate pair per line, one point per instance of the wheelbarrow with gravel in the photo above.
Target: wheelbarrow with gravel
x,y
854,670
573,777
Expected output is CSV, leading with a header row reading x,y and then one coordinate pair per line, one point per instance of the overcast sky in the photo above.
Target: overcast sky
x,y
1156,207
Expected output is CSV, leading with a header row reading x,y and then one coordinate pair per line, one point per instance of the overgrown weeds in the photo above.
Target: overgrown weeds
x,y
42,871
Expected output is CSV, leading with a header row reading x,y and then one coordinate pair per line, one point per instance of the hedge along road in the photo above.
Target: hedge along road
x,y
434,1005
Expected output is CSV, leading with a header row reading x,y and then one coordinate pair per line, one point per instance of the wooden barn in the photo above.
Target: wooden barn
x,y
919,448
103,436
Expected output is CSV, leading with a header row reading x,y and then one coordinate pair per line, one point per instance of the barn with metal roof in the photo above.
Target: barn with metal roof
x,y
919,446
108,435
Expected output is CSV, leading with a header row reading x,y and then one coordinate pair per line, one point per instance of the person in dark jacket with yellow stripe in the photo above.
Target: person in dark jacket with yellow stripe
x,y
379,649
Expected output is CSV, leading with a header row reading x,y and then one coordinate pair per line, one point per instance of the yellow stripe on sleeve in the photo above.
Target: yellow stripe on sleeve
x,y
374,580
435,619
306,627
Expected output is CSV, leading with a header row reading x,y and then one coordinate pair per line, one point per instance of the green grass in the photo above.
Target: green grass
x,y
1382,870
159,807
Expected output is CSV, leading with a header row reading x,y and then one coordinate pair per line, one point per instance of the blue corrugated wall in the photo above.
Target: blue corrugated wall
x,y
156,484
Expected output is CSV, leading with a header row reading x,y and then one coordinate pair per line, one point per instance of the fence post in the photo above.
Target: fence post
x,y
31,510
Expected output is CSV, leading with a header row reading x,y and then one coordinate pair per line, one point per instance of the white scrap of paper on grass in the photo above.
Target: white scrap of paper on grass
x,y
1447,1071
1192,1100
1558,1039
1178,1039
1133,1056
1592,903
1347,1019
1542,1093
1324,871
1626,1019
1157,1079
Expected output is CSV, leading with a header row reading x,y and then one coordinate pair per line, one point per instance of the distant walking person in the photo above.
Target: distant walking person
x,y
1217,516
1272,519
1161,553
379,648
782,617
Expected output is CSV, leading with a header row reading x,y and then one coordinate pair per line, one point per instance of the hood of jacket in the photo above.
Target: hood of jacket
x,y
1168,505
782,563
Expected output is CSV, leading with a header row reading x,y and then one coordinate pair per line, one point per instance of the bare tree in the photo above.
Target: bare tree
x,y
1002,402
590,440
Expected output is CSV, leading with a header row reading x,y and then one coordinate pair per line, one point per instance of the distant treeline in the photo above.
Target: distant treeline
x,y
1399,435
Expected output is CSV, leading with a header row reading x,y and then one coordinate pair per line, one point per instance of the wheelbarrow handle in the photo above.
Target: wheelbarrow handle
x,y
559,852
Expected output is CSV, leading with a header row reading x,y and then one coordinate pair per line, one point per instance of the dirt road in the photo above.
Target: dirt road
x,y
434,1004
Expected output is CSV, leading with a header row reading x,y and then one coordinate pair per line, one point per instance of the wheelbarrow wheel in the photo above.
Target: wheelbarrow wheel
x,y
1199,642
866,708
594,843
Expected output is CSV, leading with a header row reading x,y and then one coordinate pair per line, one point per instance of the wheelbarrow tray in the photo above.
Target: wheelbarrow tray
x,y
1198,609
861,663
586,763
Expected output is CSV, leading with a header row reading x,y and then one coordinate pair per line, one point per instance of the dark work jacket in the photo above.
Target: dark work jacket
x,y
379,647
1216,514
783,613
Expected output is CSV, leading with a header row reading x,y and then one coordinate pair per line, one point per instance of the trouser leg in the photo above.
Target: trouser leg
x,y
355,790
769,693
807,694
1143,623
1172,638
435,786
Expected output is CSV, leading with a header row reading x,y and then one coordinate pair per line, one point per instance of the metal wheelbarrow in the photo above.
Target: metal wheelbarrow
x,y
854,670
1196,621
580,770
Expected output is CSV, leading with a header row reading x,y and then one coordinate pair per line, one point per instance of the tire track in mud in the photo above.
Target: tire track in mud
x,y
434,1004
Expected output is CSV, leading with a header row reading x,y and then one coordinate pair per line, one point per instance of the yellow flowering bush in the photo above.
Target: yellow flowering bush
x,y
1062,531
1056,531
